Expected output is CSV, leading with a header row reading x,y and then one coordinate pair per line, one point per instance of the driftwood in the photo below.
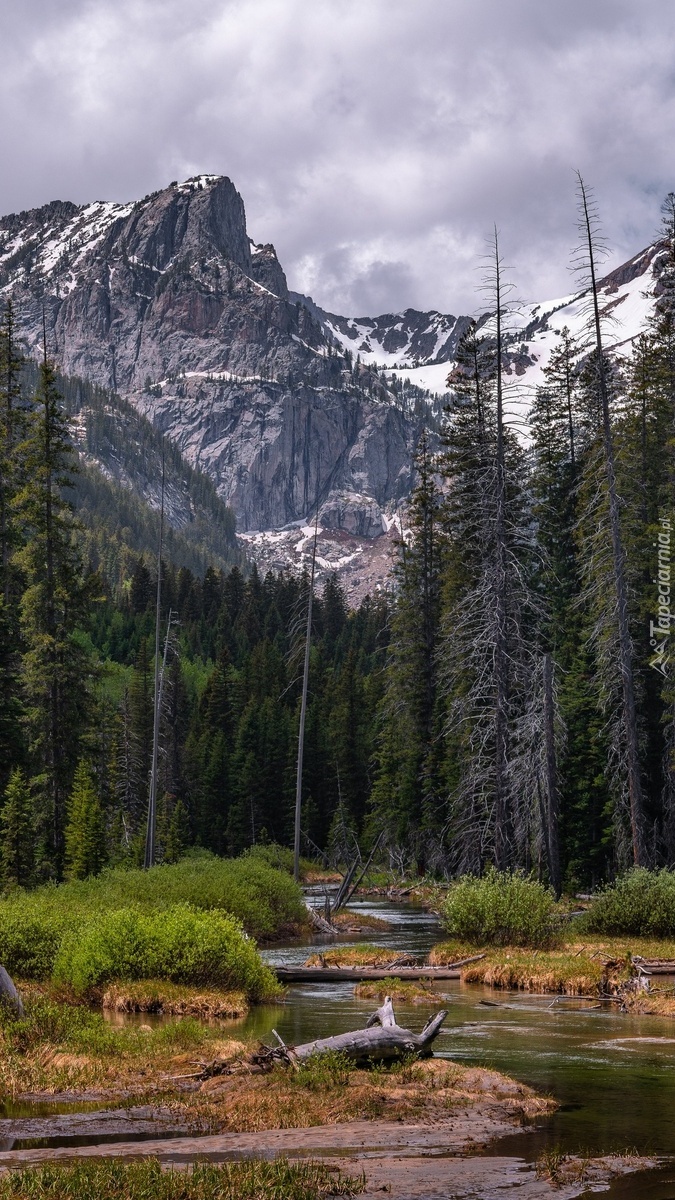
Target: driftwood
x,y
381,1039
9,994
321,924
361,974
653,966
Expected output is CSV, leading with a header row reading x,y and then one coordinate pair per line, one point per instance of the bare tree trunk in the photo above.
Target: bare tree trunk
x,y
553,806
303,711
625,647
501,662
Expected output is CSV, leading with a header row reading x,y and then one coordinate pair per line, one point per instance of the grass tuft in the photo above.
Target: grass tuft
x,y
146,1180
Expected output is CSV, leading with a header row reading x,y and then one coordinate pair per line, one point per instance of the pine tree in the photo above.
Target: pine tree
x,y
407,795
17,833
57,669
85,830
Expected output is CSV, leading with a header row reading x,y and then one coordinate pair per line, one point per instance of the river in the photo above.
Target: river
x,y
612,1074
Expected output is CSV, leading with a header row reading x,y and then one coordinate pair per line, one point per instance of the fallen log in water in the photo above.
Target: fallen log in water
x,y
361,974
381,1039
653,966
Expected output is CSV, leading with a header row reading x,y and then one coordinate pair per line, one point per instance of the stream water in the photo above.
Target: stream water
x,y
612,1074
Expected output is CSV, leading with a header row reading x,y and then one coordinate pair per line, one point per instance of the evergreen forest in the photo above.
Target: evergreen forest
x,y
508,703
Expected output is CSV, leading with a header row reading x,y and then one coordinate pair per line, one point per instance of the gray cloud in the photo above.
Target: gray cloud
x,y
375,143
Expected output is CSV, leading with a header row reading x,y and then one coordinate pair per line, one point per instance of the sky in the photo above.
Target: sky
x,y
376,143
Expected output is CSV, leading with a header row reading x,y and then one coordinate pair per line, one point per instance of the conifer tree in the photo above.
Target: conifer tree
x,y
407,792
627,744
57,669
486,649
17,833
85,830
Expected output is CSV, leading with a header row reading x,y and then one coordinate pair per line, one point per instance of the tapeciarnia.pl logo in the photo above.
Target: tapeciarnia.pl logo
x,y
661,629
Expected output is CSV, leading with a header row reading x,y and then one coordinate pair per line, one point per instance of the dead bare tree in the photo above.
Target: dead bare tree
x,y
586,262
303,709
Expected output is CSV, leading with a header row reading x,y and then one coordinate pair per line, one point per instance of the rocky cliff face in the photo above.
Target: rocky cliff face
x,y
168,302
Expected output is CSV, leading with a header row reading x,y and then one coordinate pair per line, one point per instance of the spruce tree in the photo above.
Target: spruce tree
x,y
407,793
607,509
85,851
17,834
57,669
489,611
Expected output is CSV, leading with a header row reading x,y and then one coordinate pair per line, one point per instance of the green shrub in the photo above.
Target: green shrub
x,y
29,941
32,924
180,944
501,909
265,900
641,903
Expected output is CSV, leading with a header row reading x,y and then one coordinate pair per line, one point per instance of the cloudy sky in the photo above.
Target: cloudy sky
x,y
375,142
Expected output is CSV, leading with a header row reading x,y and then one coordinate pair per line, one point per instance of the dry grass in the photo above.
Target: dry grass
x,y
348,919
353,956
658,1003
158,996
315,875
421,1091
64,1048
401,990
582,968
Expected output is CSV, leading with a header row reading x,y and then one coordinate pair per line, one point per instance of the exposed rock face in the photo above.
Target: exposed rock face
x,y
168,302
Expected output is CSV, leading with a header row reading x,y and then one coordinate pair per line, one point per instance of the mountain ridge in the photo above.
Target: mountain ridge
x,y
285,406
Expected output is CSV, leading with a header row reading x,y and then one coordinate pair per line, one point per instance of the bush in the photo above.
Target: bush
x,y
500,910
28,941
179,944
265,900
641,903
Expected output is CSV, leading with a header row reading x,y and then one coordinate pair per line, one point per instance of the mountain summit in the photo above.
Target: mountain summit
x,y
169,302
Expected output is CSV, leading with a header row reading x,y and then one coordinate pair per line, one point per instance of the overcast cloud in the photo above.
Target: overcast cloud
x,y
374,142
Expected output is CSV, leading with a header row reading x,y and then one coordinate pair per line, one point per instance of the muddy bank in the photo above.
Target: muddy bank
x,y
404,1160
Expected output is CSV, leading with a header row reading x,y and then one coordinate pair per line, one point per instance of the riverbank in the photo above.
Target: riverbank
x,y
595,968
403,1157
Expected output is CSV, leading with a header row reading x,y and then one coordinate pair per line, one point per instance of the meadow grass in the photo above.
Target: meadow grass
x,y
146,1180
402,991
363,955
577,968
173,999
